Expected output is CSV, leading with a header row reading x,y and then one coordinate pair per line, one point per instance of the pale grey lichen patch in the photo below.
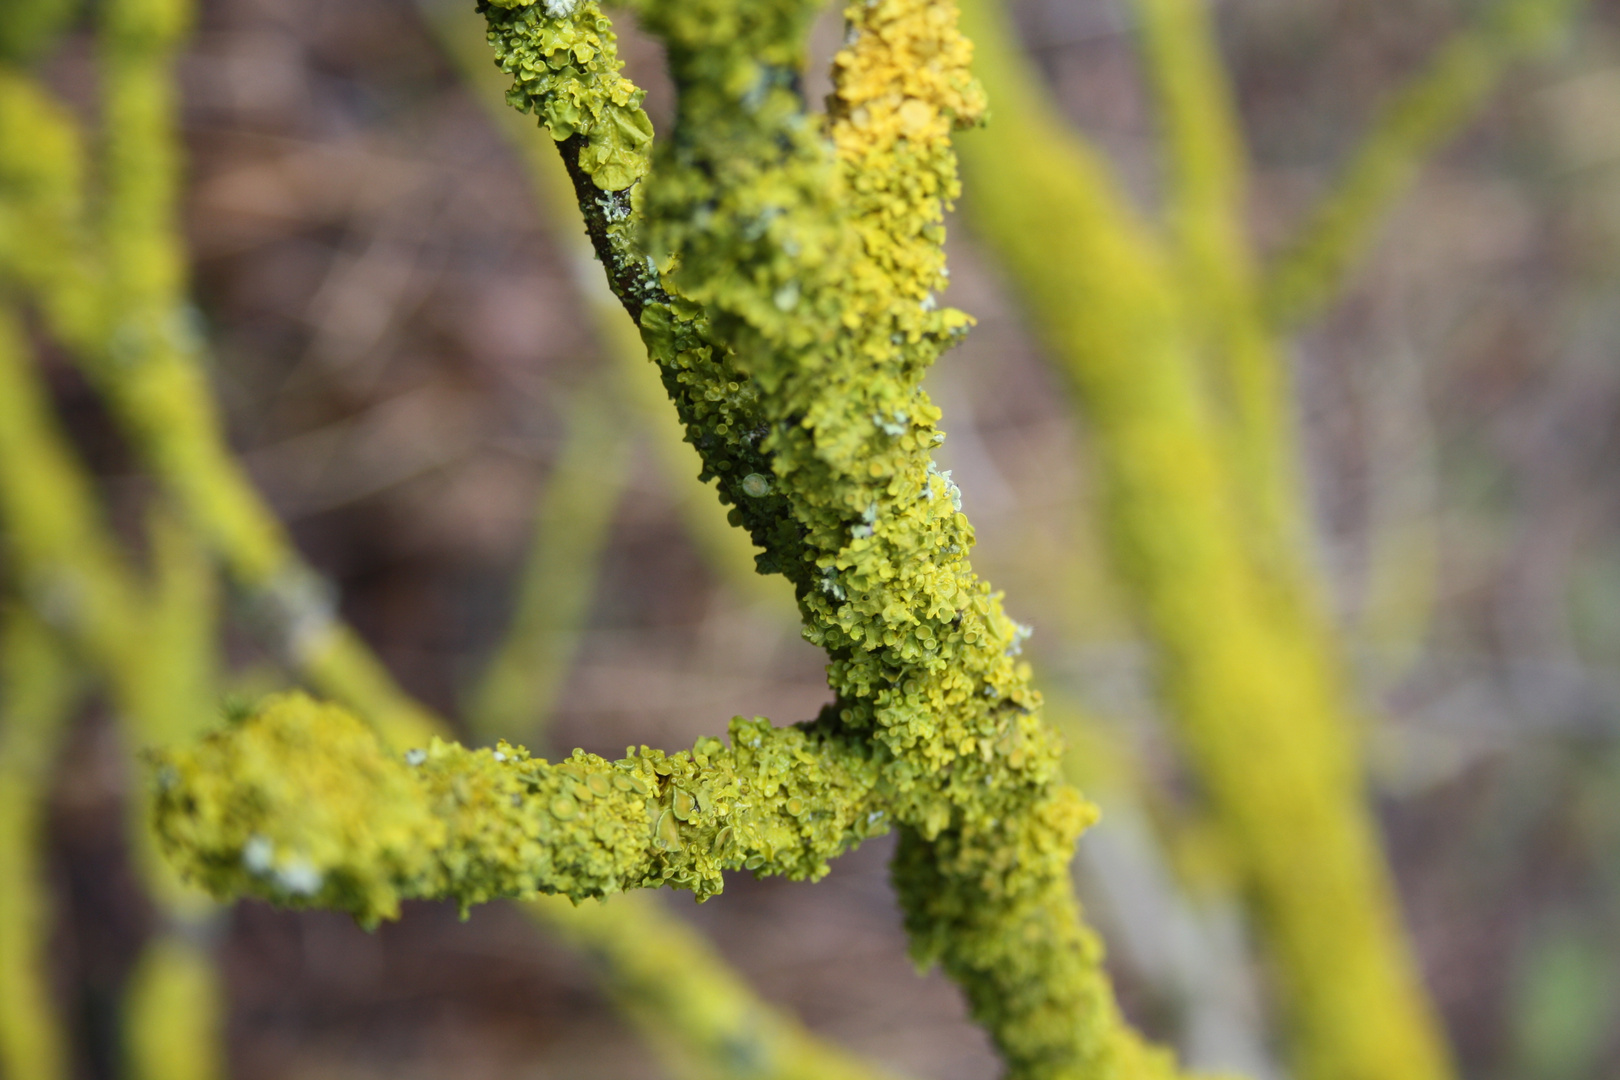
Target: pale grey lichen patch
x,y
892,428
258,854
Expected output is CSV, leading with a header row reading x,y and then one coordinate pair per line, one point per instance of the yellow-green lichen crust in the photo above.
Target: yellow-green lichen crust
x,y
298,802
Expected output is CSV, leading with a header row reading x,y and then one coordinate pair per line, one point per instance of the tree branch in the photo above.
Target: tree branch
x,y
1207,207
42,173
1252,687
1410,129
800,318
300,803
40,688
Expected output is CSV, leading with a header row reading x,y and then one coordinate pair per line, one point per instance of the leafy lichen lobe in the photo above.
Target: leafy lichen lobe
x,y
565,69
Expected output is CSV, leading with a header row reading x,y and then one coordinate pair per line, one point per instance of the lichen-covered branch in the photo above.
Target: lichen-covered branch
x,y
171,419
796,317
787,292
702,1019
1409,131
726,551
300,803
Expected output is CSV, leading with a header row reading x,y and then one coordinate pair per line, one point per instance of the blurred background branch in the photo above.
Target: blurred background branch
x,y
1410,130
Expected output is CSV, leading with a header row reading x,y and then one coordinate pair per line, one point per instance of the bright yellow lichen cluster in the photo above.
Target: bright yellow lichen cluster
x,y
902,87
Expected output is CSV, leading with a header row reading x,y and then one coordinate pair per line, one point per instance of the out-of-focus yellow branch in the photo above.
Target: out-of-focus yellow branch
x,y
128,322
38,687
174,1005
519,687
1409,131
1207,210
1258,705
174,1011
30,27
77,579
147,365
710,1025
700,1016
67,569
1207,170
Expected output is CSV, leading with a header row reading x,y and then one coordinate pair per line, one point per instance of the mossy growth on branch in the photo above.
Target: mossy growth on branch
x,y
783,269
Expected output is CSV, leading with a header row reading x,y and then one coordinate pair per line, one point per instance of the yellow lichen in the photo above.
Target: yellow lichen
x,y
566,70
300,803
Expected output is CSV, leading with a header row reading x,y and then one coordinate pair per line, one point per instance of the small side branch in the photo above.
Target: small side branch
x,y
301,804
1412,128
519,687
